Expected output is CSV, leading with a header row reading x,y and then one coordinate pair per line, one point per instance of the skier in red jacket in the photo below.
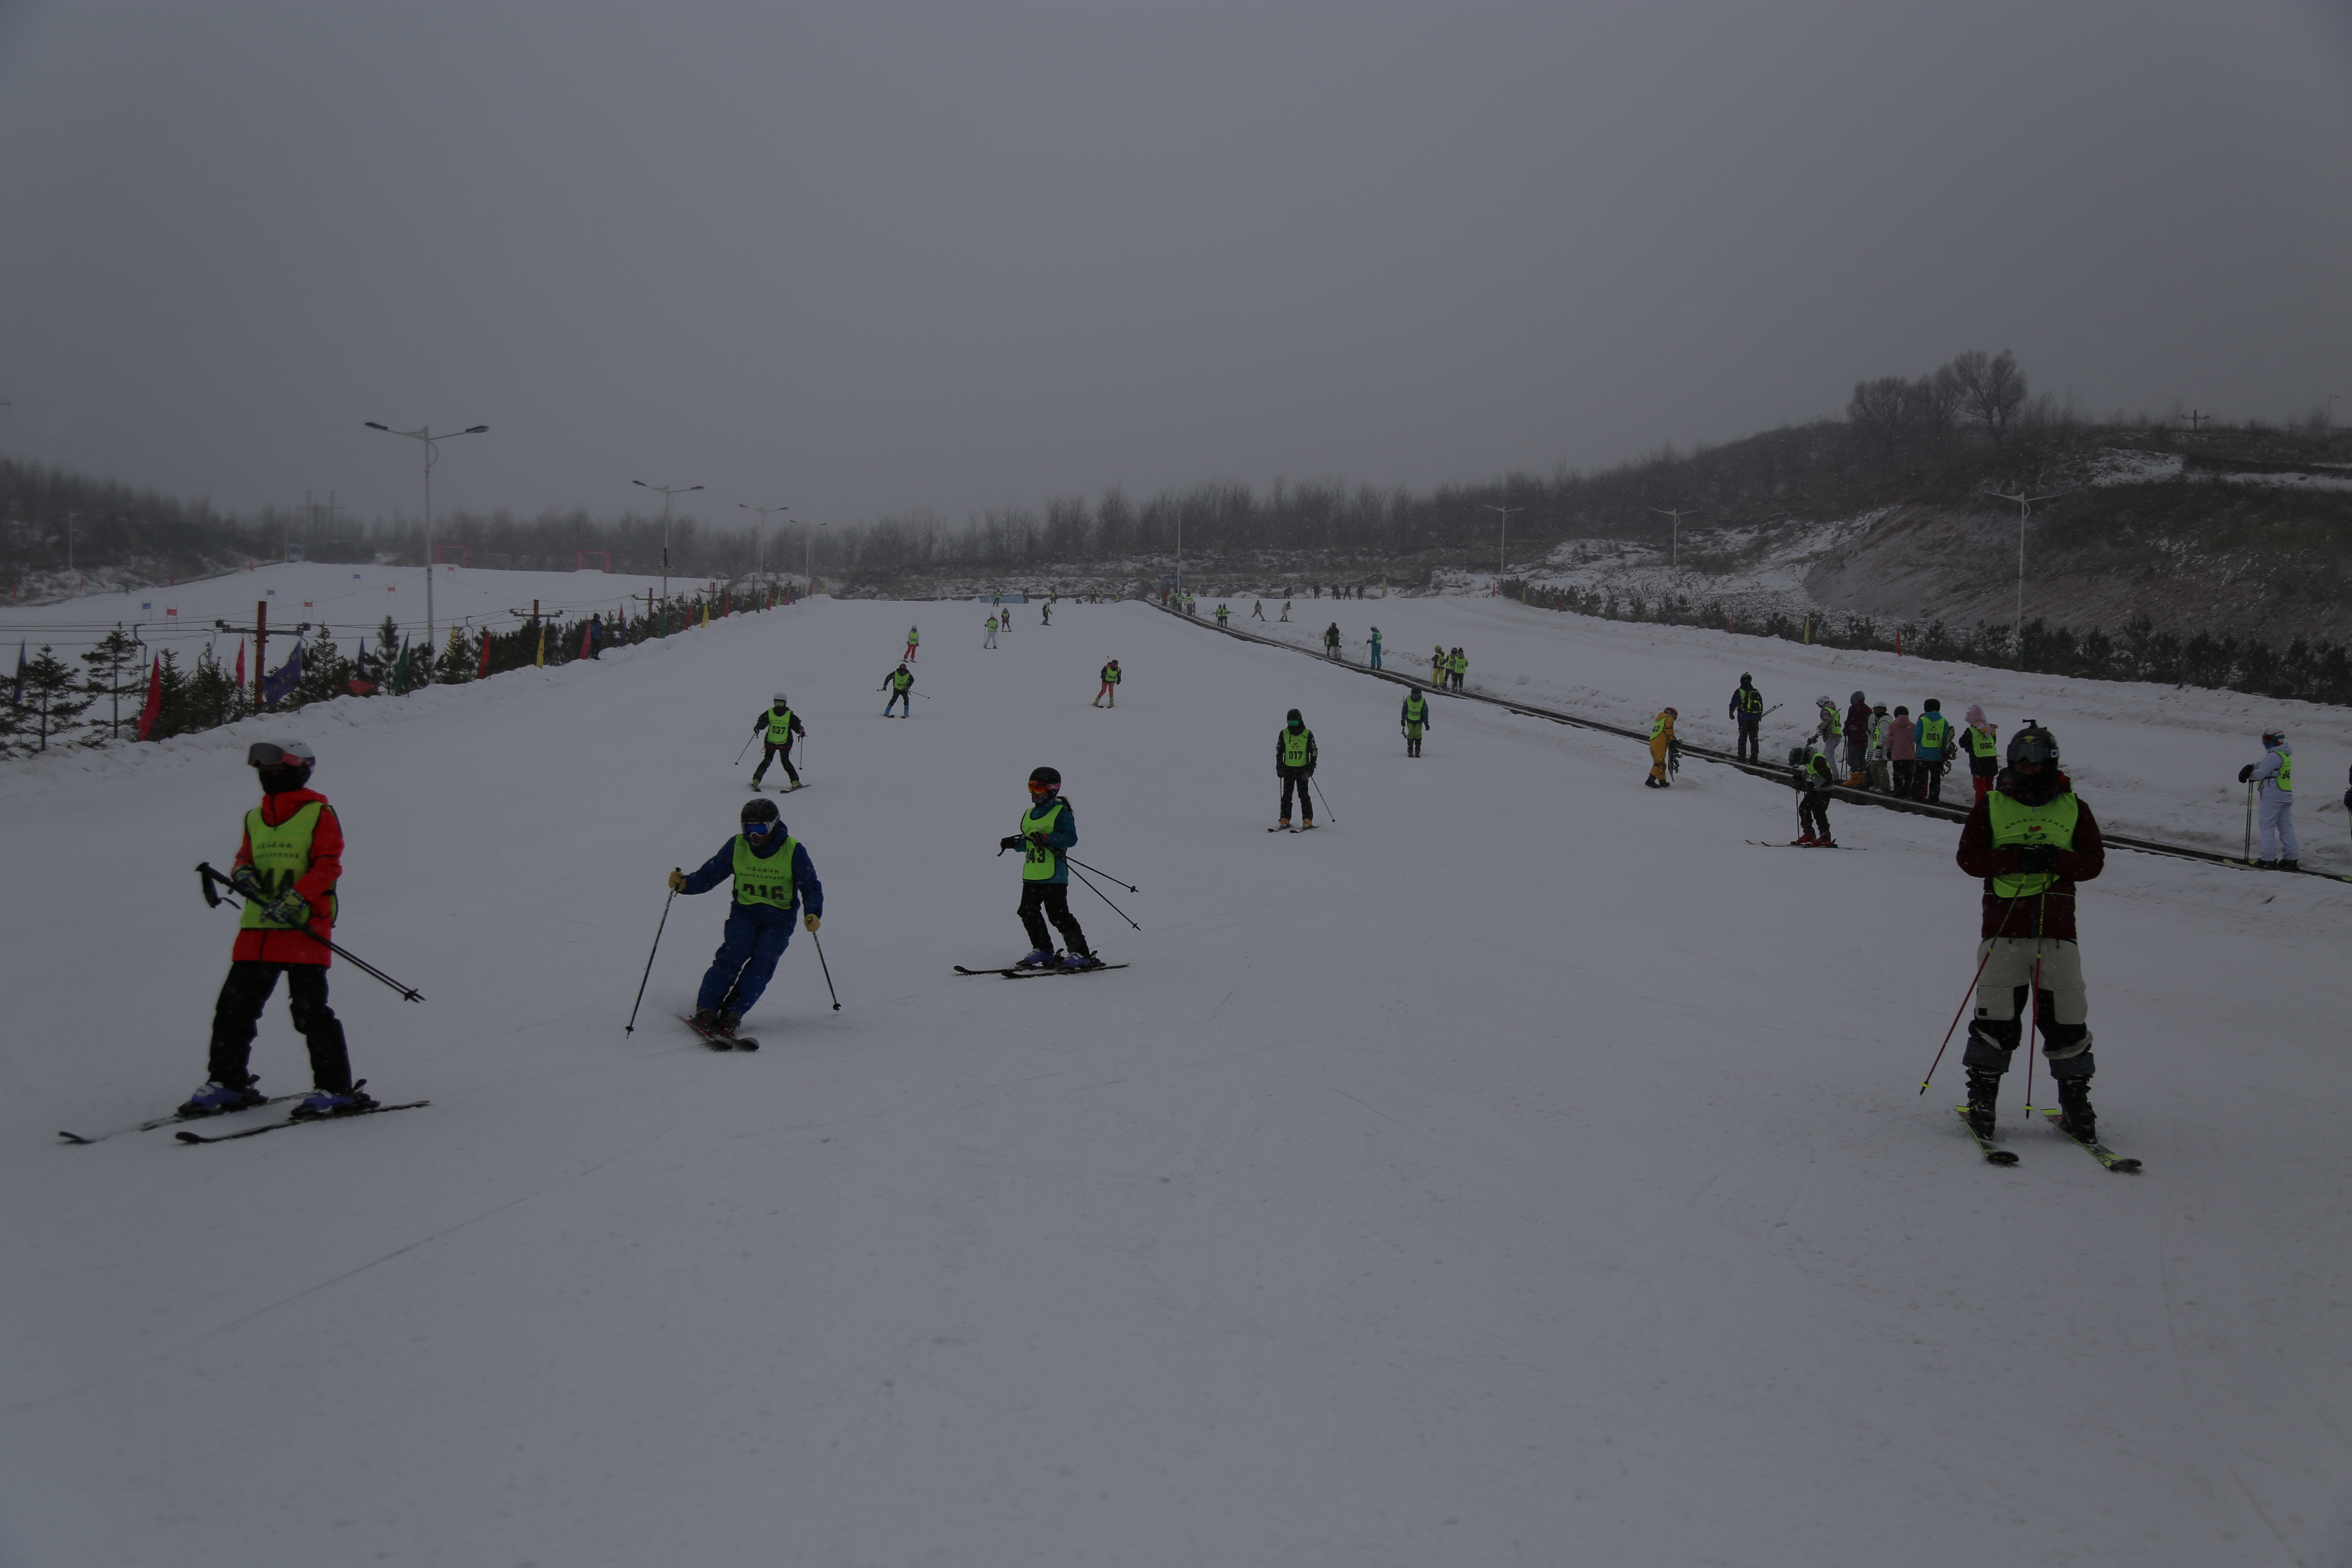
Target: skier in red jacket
x,y
286,868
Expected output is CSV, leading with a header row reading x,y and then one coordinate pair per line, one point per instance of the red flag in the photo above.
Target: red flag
x,y
239,682
154,707
584,642
485,667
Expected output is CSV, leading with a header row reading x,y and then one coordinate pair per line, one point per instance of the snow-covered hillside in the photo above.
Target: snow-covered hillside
x,y
1522,1168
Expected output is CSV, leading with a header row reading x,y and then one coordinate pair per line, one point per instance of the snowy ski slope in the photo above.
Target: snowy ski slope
x,y
1523,1170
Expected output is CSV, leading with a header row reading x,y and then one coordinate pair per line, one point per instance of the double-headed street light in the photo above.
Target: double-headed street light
x,y
666,491
423,434
759,560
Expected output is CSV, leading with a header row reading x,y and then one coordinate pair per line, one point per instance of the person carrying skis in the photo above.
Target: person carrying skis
x,y
782,724
1415,718
1661,749
1747,713
2276,774
1376,647
990,640
1932,735
1048,829
914,641
1294,764
2033,840
1331,640
1814,779
1856,734
773,880
1458,667
285,867
1110,677
1981,743
900,684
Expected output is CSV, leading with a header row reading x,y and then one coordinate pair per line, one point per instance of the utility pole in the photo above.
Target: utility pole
x,y
2197,421
1674,544
424,437
666,491
2025,504
1503,547
759,558
808,556
260,633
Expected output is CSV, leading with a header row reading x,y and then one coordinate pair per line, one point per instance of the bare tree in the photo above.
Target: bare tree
x,y
1991,389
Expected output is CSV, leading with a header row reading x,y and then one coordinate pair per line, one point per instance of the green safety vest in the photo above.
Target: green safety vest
x,y
991,623
1659,726
1037,864
1980,742
2286,779
1457,664
1931,731
1416,709
1749,699
912,639
2015,822
900,680
1293,746
766,878
780,726
280,855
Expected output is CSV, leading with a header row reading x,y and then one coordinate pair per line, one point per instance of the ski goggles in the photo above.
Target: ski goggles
x,y
1036,788
761,829
269,754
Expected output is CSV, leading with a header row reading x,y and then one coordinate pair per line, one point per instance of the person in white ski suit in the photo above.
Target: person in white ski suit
x,y
2275,777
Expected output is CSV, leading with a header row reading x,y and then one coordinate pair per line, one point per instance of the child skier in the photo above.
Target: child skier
x,y
1415,720
773,878
1049,829
287,867
1294,764
782,724
900,684
1814,780
1109,687
914,641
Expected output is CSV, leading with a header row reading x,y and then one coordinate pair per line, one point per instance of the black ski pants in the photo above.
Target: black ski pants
x,y
1751,745
775,753
1296,778
1043,901
238,1013
1932,776
1814,812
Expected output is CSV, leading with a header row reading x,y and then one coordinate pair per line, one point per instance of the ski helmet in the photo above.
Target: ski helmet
x,y
1045,783
1746,679
761,816
1293,718
2033,744
1796,756
1858,697
781,701
281,764
2273,737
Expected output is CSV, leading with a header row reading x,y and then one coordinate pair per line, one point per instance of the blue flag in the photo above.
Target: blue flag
x,y
278,683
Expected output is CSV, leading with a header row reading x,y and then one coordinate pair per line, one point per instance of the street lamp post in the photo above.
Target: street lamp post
x,y
666,491
2025,509
808,557
1674,540
423,436
1502,545
759,559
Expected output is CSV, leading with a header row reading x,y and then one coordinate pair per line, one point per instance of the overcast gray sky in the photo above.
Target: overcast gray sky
x,y
865,259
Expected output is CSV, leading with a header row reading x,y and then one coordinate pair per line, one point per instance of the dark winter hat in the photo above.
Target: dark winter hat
x,y
2033,744
1858,697
1796,756
1293,718
1933,705
1902,712
1745,678
760,815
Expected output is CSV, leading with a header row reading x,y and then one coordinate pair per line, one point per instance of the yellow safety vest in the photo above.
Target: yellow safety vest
x,y
901,681
1037,863
1293,746
1110,675
2051,824
779,727
1931,731
2286,779
1458,663
1416,709
1981,743
766,878
281,855
1661,726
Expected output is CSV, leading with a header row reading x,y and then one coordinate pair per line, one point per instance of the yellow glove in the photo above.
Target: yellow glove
x,y
676,881
809,921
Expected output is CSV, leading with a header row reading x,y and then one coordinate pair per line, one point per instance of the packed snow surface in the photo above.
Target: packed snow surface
x,y
1521,1168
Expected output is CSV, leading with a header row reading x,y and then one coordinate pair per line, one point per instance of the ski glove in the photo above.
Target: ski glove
x,y
2036,858
247,880
676,881
810,922
289,910
2246,773
1012,841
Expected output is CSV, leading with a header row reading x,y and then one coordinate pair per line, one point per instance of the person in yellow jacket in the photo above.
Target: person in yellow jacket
x,y
1662,750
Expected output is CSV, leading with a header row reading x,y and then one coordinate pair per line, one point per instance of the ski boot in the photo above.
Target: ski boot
x,y
2075,1116
1304,823
335,1103
728,1022
1825,843
2290,865
1282,825
1039,958
1078,959
2266,865
1984,1094
220,1099
1807,842
1648,783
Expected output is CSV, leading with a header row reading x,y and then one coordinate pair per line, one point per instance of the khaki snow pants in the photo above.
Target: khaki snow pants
x,y
2062,1006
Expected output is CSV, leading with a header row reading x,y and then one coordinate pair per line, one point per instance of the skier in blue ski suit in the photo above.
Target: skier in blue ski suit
x,y
773,880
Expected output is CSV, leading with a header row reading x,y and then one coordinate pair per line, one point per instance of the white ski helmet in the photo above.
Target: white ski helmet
x,y
781,700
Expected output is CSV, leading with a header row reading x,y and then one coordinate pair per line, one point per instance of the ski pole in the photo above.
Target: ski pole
x,y
2250,825
207,877
1100,872
747,749
631,1028
2033,1028
821,964
1964,997
1328,815
1104,897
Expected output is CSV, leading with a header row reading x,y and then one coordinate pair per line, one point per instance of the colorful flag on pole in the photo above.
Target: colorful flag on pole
x,y
541,660
278,686
584,634
484,668
153,707
239,681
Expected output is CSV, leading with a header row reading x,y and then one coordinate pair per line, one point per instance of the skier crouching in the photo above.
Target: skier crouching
x,y
1049,829
773,878
2031,840
287,870
1814,781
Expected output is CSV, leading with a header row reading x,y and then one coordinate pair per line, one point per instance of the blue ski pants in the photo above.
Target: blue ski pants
x,y
756,937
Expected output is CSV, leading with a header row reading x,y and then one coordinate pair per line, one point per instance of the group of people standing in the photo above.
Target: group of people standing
x,y
1865,746
1446,670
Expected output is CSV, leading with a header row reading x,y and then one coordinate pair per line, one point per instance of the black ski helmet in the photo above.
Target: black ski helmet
x,y
2033,744
760,815
1047,782
1745,679
1293,718
1796,756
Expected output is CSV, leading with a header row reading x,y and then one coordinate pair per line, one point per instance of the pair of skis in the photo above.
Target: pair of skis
x,y
720,1039
1995,1155
1792,843
174,1118
1040,971
1303,827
